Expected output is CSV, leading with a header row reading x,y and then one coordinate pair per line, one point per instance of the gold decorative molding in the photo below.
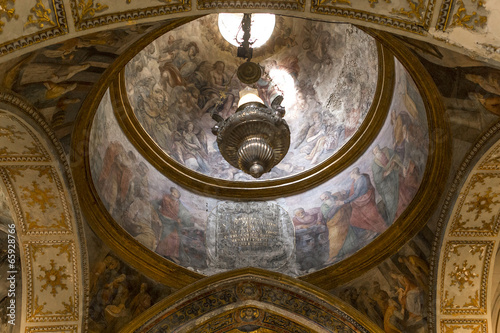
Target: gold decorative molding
x,y
415,11
290,5
456,297
88,14
42,16
7,11
455,13
54,292
87,9
53,277
18,143
473,170
53,329
49,31
464,325
491,161
256,289
31,200
421,12
45,238
463,18
476,212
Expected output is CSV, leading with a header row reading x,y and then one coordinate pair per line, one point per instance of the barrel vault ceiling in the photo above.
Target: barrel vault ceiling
x,y
444,279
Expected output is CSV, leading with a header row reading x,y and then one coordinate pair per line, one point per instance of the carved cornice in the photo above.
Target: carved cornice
x,y
253,288
421,27
85,17
290,5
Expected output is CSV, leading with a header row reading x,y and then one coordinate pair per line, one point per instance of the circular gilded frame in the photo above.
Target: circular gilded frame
x,y
156,267
268,189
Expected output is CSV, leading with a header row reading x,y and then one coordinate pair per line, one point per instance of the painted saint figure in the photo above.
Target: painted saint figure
x,y
174,217
365,214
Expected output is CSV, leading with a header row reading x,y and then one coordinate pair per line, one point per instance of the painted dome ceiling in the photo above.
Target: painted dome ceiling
x,y
359,150
327,74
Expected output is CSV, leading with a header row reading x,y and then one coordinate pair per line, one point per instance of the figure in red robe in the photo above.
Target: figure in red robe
x,y
364,214
174,217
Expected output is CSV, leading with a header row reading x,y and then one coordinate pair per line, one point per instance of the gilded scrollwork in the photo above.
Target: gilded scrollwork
x,y
347,2
53,277
88,9
373,2
474,302
416,10
478,205
462,275
10,133
464,325
463,18
464,285
482,202
42,197
69,307
18,143
41,16
492,160
448,302
39,309
7,11
53,329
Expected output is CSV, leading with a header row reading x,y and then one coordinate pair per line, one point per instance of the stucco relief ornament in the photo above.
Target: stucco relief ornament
x,y
10,13
53,277
250,234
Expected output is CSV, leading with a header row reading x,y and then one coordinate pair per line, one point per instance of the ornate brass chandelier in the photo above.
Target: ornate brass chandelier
x,y
256,137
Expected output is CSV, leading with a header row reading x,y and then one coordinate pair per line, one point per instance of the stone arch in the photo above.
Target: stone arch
x,y
39,190
249,299
466,296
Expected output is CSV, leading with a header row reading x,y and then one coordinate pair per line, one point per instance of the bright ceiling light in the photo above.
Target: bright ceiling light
x,y
261,30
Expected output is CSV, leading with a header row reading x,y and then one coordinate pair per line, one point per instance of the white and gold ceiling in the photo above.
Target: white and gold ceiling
x,y
71,90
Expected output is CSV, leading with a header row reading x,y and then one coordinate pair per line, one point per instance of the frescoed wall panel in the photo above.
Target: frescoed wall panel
x,y
177,83
331,222
393,295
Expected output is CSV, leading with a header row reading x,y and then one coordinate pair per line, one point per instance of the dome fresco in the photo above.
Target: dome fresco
x,y
295,234
327,74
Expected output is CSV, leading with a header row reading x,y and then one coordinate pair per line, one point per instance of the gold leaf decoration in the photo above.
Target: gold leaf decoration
x,y
68,307
87,9
53,277
322,2
38,196
10,133
482,202
39,309
473,301
416,10
465,20
462,275
373,2
448,303
42,16
10,13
